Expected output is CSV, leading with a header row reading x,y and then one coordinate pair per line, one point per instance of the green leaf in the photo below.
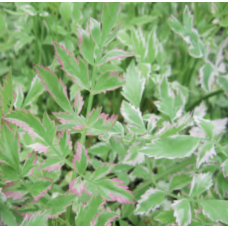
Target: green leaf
x,y
75,68
39,188
6,93
87,213
107,82
216,210
55,87
81,159
19,96
207,126
95,30
225,168
182,212
102,171
134,117
100,149
223,82
200,183
179,181
35,90
165,217
172,147
59,204
86,45
65,10
114,54
29,164
134,87
149,201
7,216
170,104
10,147
207,76
8,173
110,14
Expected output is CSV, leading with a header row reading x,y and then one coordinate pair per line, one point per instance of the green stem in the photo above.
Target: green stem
x,y
193,105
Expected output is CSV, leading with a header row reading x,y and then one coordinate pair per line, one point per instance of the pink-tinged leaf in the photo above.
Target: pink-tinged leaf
x,y
78,102
113,190
102,171
81,159
220,126
100,125
71,120
86,45
39,147
55,87
95,31
51,164
107,82
15,195
76,186
27,121
75,68
40,187
114,54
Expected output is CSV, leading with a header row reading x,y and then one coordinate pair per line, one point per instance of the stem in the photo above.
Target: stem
x,y
192,106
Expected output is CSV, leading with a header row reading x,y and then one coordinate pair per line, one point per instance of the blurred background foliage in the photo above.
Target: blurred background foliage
x,y
27,31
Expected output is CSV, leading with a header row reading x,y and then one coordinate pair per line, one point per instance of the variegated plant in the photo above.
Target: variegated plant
x,y
166,164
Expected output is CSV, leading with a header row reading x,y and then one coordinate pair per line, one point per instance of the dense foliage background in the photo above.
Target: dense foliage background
x,y
26,35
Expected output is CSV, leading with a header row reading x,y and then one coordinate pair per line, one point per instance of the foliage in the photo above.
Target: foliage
x,y
113,114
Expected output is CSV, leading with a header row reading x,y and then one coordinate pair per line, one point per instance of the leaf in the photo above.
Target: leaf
x,y
105,218
10,147
107,82
87,213
112,190
182,212
78,102
65,143
75,68
35,90
216,210
28,122
206,151
100,149
39,188
169,103
76,186
207,76
29,164
134,87
6,93
7,216
134,117
99,123
59,204
114,54
95,30
86,45
54,86
19,96
52,163
165,217
179,181
223,82
110,14
102,171
149,201
81,159
36,220
200,183
225,168
171,147
8,173
65,10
